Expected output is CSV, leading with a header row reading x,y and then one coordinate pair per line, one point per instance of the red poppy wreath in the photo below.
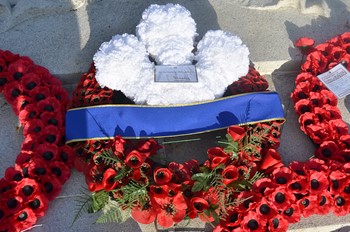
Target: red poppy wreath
x,y
44,162
243,186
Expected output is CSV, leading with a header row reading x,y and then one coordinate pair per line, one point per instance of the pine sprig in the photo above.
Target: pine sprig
x,y
133,193
87,203
111,215
109,159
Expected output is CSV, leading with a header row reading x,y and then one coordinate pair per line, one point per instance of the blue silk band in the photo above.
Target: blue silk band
x,y
140,121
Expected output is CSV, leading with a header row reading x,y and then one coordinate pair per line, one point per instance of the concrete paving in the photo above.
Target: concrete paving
x,y
63,37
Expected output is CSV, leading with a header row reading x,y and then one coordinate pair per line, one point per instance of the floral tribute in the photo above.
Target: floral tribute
x,y
243,186
44,162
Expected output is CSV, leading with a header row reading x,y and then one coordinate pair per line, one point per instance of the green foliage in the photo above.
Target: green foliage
x,y
132,194
111,215
87,203
109,159
205,179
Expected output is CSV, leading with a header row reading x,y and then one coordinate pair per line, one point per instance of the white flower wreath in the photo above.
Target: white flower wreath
x,y
166,34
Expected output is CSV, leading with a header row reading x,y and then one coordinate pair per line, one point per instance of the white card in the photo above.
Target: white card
x,y
337,80
175,74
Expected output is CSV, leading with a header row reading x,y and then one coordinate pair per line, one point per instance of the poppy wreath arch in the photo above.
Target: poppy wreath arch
x,y
44,162
243,186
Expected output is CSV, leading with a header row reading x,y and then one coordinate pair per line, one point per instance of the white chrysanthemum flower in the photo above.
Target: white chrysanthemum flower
x,y
166,33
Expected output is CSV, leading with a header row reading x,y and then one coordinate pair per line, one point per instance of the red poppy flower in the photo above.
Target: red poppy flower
x,y
229,174
162,176
108,180
317,133
9,56
299,185
318,182
282,175
47,151
66,155
326,150
4,80
305,45
40,93
325,203
12,202
333,112
253,222
135,159
197,206
184,172
60,170
94,178
51,118
272,159
50,186
236,132
60,94
304,77
49,104
308,205
280,197
37,168
147,213
316,165
344,140
29,112
292,213
233,219
326,49
266,209
51,134
12,174
262,184
307,119
27,188
217,156
119,144
341,205
159,191
35,127
172,210
148,147
301,91
315,63
248,200
18,68
338,128
298,168
303,106
277,224
39,204
23,219
12,91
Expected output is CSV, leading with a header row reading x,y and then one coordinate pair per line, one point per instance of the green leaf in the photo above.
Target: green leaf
x,y
199,177
98,201
197,186
112,215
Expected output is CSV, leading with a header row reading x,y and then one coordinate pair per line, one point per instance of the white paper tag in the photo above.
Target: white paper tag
x,y
175,74
337,80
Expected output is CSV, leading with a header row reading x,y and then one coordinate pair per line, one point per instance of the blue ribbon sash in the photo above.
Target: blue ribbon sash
x,y
141,121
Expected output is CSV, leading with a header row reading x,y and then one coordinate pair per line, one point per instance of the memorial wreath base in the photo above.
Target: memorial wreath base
x,y
44,162
243,186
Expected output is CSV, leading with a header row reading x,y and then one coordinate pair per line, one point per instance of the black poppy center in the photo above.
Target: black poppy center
x,y
326,152
305,203
264,209
340,201
15,92
40,171
22,217
48,155
323,201
296,186
31,85
50,138
289,212
246,203
57,171
17,177
169,209
37,129
3,81
52,121
198,206
12,203
48,187
347,189
1,214
39,97
64,157
335,184
17,75
234,217
160,175
302,95
315,184
281,180
304,109
49,108
280,197
34,204
275,223
253,224
134,160
27,190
